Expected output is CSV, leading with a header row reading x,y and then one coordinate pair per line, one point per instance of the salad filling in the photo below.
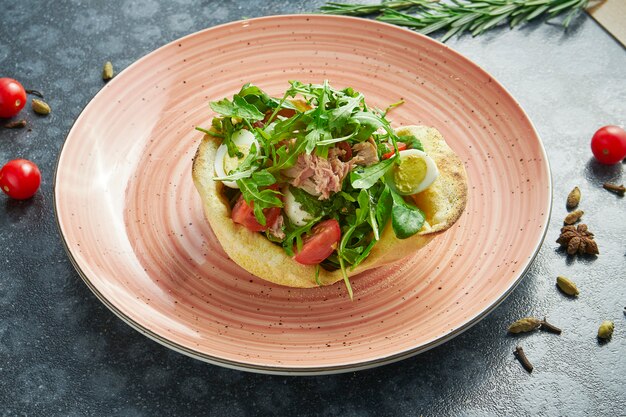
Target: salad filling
x,y
318,172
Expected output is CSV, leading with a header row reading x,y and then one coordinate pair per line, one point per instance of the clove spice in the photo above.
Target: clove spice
x,y
549,327
16,124
521,356
614,188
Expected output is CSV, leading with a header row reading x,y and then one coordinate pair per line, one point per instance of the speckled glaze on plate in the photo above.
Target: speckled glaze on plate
x,y
133,223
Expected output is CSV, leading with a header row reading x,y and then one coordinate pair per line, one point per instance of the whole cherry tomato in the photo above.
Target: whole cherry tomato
x,y
20,179
12,97
608,144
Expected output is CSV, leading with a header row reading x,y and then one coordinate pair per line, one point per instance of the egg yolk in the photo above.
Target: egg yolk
x,y
232,162
410,173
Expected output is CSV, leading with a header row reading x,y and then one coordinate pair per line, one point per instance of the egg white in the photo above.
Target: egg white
x,y
431,172
293,210
243,139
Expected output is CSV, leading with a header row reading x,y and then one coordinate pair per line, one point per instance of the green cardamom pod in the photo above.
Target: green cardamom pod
x,y
605,331
40,107
526,324
573,198
573,217
567,286
107,71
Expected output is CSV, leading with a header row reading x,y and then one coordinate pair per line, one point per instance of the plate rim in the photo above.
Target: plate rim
x,y
305,370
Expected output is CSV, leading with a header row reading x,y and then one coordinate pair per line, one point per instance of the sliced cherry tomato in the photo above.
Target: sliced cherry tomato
x,y
12,97
608,144
243,213
345,146
320,243
401,147
20,179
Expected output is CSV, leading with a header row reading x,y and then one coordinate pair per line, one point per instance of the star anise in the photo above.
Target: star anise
x,y
578,240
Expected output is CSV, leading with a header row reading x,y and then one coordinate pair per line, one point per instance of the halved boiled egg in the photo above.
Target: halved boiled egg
x,y
416,172
293,210
225,163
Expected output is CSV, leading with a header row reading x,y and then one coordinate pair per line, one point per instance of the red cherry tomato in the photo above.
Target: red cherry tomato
x,y
12,97
401,147
320,244
20,179
608,144
243,213
345,146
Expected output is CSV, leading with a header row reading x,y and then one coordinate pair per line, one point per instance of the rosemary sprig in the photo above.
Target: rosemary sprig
x,y
459,16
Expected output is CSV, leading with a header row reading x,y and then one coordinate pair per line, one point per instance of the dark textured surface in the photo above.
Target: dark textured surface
x,y
63,353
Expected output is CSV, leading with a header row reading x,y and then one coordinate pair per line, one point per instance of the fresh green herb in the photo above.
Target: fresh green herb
x,y
317,275
384,206
459,16
406,219
367,9
346,280
411,142
259,198
294,235
368,176
239,107
393,106
210,133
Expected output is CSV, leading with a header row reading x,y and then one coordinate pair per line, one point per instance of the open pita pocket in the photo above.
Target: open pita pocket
x,y
442,203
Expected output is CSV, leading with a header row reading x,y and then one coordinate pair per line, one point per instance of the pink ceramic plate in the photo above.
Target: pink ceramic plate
x,y
134,228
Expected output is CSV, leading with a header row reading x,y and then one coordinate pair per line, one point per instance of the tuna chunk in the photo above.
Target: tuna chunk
x,y
366,153
318,176
276,228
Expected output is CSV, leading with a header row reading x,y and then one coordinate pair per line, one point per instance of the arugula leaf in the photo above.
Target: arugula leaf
x,y
286,158
296,234
335,140
406,219
314,136
384,206
393,106
372,216
411,142
340,115
366,177
259,199
209,132
346,280
239,107
364,207
364,254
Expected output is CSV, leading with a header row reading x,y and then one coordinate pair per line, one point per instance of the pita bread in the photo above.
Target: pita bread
x,y
443,203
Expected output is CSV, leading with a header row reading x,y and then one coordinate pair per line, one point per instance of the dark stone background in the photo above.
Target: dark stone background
x,y
63,353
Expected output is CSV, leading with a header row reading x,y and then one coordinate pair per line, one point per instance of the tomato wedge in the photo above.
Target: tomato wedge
x,y
401,147
320,243
243,213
